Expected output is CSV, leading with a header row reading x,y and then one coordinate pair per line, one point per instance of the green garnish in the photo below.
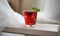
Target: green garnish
x,y
35,9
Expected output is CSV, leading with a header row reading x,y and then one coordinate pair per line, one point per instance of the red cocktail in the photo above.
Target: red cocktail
x,y
30,17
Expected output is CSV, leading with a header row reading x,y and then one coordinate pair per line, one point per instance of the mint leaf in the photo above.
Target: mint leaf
x,y
38,10
35,9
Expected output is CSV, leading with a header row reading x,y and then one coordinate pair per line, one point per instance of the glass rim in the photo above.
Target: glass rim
x,y
29,10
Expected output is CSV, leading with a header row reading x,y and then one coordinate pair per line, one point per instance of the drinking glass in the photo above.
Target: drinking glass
x,y
30,17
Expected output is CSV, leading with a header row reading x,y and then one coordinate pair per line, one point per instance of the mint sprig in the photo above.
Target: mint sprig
x,y
35,9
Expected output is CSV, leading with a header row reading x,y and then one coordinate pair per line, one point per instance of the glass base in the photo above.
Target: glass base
x,y
30,25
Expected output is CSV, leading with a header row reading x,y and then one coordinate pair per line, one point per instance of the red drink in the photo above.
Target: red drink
x,y
30,17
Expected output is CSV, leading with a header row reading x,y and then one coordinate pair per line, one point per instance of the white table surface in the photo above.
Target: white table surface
x,y
38,29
